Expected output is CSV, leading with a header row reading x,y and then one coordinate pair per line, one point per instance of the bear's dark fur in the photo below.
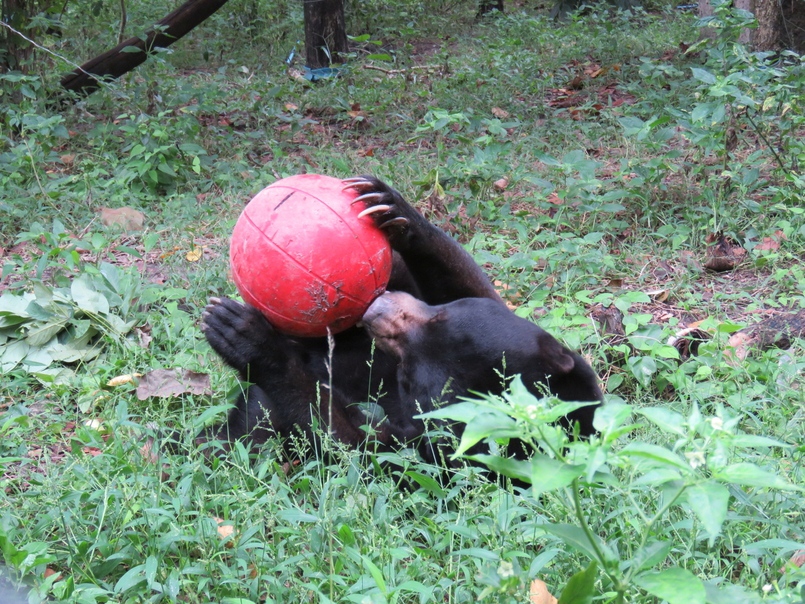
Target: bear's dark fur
x,y
441,331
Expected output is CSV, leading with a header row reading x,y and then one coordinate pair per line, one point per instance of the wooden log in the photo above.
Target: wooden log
x,y
115,62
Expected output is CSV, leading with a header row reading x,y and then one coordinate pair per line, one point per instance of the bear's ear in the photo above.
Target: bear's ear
x,y
557,360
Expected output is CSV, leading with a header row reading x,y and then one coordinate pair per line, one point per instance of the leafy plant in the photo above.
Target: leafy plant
x,y
71,306
711,464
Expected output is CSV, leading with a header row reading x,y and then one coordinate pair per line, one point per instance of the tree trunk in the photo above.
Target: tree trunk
x,y
114,63
746,33
706,10
769,32
16,13
325,32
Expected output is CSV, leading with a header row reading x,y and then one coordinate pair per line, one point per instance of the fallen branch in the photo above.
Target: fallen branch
x,y
403,71
132,52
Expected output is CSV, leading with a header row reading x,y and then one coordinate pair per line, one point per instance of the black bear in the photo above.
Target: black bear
x,y
440,332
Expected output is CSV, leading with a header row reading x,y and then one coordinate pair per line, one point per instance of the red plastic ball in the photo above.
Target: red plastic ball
x,y
301,255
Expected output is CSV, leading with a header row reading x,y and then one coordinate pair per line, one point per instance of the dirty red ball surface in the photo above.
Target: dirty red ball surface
x,y
301,255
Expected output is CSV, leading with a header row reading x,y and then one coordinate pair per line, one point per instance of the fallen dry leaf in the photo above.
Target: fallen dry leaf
x,y
771,243
225,531
501,184
576,83
123,379
739,344
126,218
500,113
725,255
195,254
164,383
49,572
798,560
658,295
143,335
539,593
149,451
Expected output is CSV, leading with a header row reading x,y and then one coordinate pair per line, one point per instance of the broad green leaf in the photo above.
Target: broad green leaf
x,y
709,501
486,424
14,304
86,297
642,368
675,585
208,414
550,474
650,555
12,354
37,359
657,477
72,351
595,462
133,577
779,547
611,416
112,275
460,412
580,589
291,515
655,456
576,538
544,557
39,335
703,75
426,482
750,475
377,574
118,325
752,441
701,111
14,309
665,419
559,409
513,468
150,569
721,593
40,310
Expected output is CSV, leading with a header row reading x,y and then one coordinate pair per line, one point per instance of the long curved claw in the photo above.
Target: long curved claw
x,y
395,222
374,210
355,182
369,197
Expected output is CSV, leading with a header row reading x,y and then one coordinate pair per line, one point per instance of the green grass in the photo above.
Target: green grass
x,y
609,201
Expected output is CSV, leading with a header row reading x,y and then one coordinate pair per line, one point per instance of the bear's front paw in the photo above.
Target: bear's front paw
x,y
237,332
389,210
